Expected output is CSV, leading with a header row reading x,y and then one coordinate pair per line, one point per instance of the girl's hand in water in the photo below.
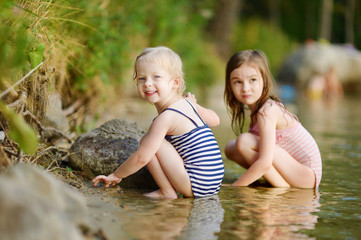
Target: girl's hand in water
x,y
108,180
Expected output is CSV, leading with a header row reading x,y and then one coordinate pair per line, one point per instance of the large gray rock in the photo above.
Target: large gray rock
x,y
36,206
102,150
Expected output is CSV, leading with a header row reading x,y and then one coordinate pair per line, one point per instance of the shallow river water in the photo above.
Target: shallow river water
x,y
331,212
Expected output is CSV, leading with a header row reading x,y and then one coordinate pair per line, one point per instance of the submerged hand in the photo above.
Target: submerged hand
x,y
108,180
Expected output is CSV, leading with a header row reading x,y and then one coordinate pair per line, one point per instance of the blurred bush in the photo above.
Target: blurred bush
x,y
89,47
91,41
257,34
117,31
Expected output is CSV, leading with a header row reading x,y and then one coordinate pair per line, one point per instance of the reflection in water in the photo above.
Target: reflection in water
x,y
204,220
158,219
338,130
184,218
268,213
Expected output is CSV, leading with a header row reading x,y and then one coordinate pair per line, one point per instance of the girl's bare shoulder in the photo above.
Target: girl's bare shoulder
x,y
270,107
172,120
284,119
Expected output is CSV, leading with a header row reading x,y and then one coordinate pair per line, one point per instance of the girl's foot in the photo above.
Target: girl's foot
x,y
161,194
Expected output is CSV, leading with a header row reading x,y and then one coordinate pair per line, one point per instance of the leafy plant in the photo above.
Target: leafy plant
x,y
20,131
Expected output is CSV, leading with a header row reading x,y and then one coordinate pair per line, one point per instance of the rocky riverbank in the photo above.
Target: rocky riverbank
x,y
38,204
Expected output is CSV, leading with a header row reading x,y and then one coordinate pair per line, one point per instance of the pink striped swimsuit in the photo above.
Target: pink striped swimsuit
x,y
298,142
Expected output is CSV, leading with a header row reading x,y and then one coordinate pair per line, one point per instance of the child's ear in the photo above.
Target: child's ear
x,y
176,82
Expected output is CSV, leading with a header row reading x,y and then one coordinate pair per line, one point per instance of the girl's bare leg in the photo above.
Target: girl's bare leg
x,y
296,174
247,145
166,189
285,170
233,154
243,151
167,169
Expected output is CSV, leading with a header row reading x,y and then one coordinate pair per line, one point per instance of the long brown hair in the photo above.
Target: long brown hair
x,y
259,60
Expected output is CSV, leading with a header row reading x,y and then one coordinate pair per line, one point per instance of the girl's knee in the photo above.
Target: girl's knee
x,y
229,150
245,141
242,144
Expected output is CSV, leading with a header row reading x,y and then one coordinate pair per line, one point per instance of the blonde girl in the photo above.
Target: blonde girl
x,y
179,149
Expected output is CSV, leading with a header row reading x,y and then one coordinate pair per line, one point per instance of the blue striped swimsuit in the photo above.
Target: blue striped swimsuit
x,y
201,155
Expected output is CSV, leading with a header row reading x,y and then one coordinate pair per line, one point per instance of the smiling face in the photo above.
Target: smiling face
x,y
247,84
154,83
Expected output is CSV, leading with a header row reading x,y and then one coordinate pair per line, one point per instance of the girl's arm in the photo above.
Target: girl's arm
x,y
148,147
267,126
209,116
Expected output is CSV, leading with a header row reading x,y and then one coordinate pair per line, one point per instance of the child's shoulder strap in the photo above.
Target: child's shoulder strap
x,y
175,110
196,112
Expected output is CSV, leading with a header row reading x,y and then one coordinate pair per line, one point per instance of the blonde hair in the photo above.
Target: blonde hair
x,y
168,59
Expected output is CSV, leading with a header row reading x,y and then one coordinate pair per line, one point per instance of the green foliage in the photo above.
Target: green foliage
x,y
36,55
176,27
100,39
257,34
20,131
19,50
120,30
13,42
180,26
